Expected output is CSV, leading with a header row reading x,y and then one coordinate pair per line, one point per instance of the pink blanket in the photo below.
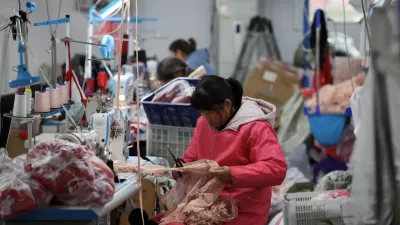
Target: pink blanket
x,y
195,197
335,98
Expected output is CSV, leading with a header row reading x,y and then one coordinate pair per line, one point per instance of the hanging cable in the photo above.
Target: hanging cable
x,y
3,63
345,42
366,24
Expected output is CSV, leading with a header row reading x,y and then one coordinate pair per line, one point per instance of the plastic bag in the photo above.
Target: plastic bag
x,y
176,92
19,192
71,172
293,176
355,103
329,195
333,181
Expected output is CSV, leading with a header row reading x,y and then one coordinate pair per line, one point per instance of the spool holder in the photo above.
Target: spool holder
x,y
24,78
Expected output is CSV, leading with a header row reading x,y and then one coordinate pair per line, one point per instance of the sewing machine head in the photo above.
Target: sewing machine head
x,y
112,132
125,88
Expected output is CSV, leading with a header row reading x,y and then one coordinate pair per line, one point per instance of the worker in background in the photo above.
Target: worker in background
x,y
186,51
171,68
237,132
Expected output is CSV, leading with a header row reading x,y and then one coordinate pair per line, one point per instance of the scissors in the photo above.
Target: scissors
x,y
178,162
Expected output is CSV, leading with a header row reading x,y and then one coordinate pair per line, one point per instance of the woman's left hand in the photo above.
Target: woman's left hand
x,y
223,174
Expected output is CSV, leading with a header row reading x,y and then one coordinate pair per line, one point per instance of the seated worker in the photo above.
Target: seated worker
x,y
186,51
237,132
171,68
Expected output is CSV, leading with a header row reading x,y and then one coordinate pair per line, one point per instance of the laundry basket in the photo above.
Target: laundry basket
x,y
177,139
300,210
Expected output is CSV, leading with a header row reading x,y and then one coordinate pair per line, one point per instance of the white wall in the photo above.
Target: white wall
x,y
176,19
286,16
39,37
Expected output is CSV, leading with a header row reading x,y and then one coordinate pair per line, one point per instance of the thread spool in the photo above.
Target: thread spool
x,y
28,95
64,93
19,108
42,101
54,99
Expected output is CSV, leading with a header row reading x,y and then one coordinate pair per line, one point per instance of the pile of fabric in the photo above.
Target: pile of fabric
x,y
335,98
19,192
195,197
54,172
176,92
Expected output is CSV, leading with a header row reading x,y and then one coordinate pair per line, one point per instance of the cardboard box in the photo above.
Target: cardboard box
x,y
273,83
270,84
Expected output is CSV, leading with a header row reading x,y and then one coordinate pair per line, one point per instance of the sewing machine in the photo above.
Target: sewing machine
x,y
113,133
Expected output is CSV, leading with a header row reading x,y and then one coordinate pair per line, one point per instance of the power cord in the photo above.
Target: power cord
x,y
345,42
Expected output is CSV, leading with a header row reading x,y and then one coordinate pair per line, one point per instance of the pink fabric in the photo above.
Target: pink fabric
x,y
195,197
335,98
255,159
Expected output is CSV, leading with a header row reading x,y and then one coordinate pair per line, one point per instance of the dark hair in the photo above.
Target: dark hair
x,y
186,47
169,66
212,91
323,42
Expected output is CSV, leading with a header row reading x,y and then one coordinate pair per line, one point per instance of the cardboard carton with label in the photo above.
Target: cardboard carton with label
x,y
275,82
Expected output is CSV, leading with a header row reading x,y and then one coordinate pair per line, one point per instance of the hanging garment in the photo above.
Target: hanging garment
x,y
249,147
294,126
325,74
195,197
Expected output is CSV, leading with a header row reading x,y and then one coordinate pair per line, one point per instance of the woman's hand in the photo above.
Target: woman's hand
x,y
223,174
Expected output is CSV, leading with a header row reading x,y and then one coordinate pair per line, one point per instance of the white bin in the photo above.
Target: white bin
x,y
300,210
160,137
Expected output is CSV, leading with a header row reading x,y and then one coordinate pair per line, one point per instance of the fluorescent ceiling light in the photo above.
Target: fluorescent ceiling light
x,y
110,8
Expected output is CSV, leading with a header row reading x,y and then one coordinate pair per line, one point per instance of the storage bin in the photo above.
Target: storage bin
x,y
162,113
160,137
300,210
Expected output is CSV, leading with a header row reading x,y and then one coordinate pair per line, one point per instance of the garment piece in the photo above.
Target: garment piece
x,y
71,173
249,147
325,76
198,58
195,197
335,98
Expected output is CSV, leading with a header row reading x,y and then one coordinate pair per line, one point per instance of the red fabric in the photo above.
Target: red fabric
x,y
255,159
69,76
19,192
71,172
125,47
89,90
102,81
325,74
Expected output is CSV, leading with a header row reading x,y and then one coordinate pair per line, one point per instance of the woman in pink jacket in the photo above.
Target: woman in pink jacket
x,y
237,132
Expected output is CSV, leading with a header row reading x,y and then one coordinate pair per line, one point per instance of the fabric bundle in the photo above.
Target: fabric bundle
x,y
71,172
177,92
19,192
335,98
195,197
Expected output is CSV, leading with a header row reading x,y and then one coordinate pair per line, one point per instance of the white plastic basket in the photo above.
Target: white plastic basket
x,y
159,137
300,210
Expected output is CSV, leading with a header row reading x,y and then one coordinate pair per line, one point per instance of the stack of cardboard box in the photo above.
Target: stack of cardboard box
x,y
274,82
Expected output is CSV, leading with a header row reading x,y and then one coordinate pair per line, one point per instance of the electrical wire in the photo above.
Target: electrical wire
x,y
366,25
58,15
345,42
3,65
19,5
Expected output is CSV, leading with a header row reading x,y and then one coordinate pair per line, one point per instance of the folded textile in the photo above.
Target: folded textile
x,y
195,196
335,98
